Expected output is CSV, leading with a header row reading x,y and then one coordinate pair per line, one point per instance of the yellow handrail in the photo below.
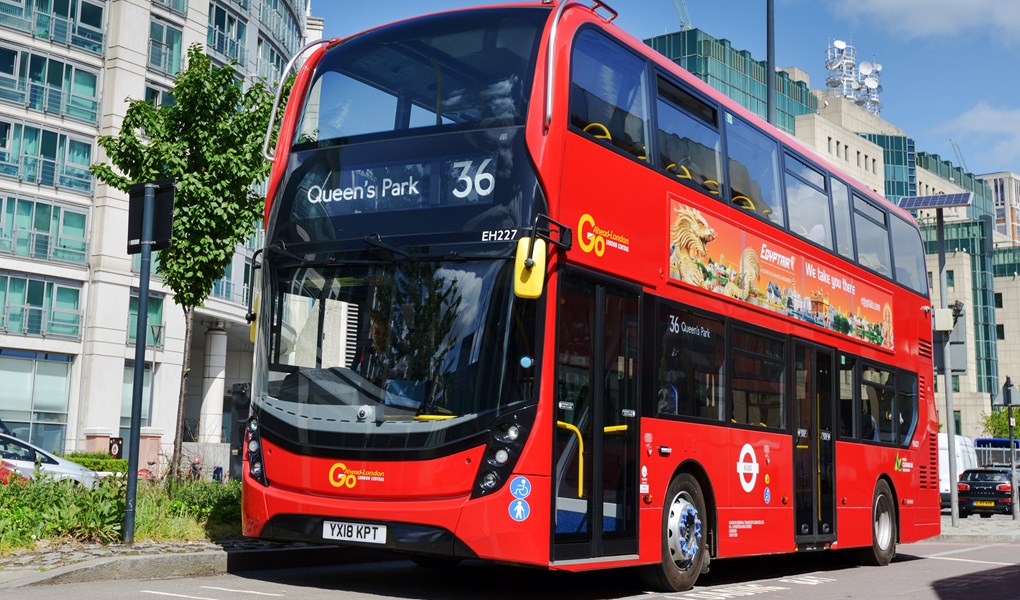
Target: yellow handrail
x,y
580,455
614,428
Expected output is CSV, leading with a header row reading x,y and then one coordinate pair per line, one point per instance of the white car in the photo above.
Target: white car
x,y
24,456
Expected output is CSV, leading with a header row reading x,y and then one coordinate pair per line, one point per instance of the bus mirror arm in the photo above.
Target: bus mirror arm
x,y
563,239
249,316
279,94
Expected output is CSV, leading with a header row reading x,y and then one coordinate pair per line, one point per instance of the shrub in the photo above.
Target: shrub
x,y
48,509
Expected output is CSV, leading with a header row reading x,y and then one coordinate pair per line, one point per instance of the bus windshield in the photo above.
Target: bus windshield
x,y
403,353
468,70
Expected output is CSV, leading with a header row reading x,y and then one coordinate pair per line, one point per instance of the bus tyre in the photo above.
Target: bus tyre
x,y
883,527
684,538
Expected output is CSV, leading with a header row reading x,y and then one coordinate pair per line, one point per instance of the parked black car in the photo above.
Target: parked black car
x,y
986,492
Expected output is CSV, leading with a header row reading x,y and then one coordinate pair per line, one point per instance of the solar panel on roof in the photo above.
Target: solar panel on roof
x,y
936,201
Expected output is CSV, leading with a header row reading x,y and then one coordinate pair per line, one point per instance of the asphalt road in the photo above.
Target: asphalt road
x,y
943,570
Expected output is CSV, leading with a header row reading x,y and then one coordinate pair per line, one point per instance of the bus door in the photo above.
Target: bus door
x,y
814,451
595,451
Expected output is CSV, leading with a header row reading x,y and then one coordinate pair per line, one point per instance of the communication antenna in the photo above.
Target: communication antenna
x,y
846,78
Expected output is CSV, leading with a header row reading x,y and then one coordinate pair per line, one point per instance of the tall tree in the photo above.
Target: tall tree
x,y
210,140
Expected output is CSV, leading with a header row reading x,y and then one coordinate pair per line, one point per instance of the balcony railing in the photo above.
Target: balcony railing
x,y
45,171
176,6
163,58
229,292
221,42
47,26
22,319
44,246
48,99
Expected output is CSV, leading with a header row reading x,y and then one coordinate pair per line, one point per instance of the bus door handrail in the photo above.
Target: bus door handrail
x,y
580,448
550,50
580,455
279,93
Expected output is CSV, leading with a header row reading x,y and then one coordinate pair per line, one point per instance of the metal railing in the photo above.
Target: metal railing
x,y
221,42
46,172
175,6
47,26
48,99
162,58
153,337
35,321
44,246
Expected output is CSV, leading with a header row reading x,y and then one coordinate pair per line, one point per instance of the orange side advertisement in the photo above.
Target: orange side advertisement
x,y
711,253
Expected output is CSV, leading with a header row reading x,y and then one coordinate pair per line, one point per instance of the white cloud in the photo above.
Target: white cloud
x,y
994,132
923,18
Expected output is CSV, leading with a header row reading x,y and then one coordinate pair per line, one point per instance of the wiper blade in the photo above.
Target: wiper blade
x,y
376,240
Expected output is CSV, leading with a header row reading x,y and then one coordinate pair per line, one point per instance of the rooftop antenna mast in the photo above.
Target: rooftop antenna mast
x,y
682,14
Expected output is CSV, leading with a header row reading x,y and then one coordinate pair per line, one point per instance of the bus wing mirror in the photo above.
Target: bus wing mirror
x,y
529,268
253,318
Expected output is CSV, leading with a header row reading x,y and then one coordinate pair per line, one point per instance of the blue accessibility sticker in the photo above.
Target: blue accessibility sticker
x,y
519,510
768,495
520,487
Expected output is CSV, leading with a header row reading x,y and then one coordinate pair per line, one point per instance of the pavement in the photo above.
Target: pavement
x,y
57,563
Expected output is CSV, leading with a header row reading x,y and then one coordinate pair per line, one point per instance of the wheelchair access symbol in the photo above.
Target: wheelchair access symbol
x,y
520,487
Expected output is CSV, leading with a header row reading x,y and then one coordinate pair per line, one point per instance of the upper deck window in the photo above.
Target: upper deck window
x,y
754,170
609,93
872,237
466,70
690,147
808,202
909,253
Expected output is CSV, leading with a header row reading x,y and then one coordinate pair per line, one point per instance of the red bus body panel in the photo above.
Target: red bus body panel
x,y
598,192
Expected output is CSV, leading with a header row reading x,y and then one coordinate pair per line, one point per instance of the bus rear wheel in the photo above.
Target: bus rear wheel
x,y
684,546
883,528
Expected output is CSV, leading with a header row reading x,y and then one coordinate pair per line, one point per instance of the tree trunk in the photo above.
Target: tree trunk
x,y
189,315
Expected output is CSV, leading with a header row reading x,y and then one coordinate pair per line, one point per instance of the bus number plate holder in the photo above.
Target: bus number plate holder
x,y
354,532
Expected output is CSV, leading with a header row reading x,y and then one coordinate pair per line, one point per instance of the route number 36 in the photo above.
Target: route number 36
x,y
483,183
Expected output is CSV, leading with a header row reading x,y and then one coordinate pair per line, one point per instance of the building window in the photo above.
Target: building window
x,y
35,395
177,6
40,230
164,48
1000,331
226,34
127,398
950,278
36,307
158,96
154,322
998,299
956,384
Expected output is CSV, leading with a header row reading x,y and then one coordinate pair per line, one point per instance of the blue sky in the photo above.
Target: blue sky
x,y
949,67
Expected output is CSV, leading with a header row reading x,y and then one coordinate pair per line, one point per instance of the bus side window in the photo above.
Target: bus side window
x,y
808,203
690,363
609,94
754,171
689,145
872,237
846,396
906,407
841,212
758,380
908,255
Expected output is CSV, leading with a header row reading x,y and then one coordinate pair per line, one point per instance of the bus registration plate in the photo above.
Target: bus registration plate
x,y
354,532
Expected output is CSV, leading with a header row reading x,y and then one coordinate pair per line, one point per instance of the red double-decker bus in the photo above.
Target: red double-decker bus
x,y
533,293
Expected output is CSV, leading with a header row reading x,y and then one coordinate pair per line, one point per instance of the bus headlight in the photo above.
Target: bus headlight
x,y
507,436
256,469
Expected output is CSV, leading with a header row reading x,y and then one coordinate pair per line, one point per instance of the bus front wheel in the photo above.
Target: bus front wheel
x,y
883,527
684,537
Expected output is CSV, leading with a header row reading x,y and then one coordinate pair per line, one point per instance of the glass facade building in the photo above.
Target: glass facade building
x,y
737,74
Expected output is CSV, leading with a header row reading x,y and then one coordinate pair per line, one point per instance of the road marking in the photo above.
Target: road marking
x,y
980,562
175,595
223,589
